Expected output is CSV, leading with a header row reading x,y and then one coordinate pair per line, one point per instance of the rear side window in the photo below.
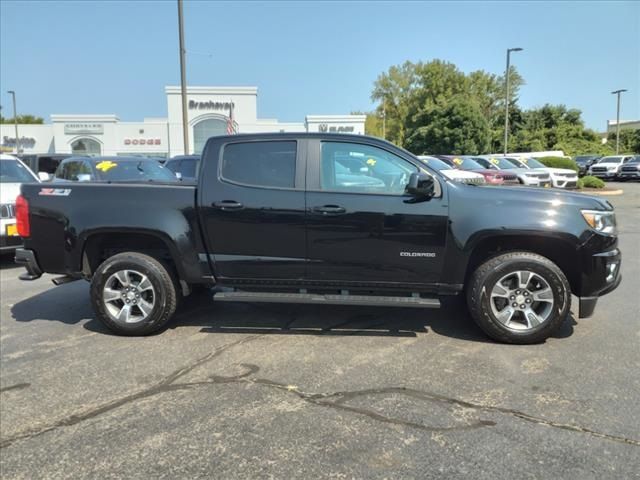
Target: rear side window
x,y
261,164
188,167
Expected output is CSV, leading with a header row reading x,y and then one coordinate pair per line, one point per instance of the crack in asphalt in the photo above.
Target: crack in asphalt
x,y
17,386
334,400
165,385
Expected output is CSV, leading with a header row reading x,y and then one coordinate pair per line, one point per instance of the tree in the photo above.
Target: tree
x,y
629,141
372,124
457,128
24,119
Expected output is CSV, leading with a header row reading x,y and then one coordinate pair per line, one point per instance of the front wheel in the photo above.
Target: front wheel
x,y
133,294
519,297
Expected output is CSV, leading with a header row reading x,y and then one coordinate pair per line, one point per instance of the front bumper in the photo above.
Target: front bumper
x,y
604,174
28,259
603,277
635,174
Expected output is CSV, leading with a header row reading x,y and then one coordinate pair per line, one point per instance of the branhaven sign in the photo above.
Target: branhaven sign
x,y
210,105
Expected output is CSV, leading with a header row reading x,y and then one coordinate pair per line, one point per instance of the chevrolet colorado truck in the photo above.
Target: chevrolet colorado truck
x,y
323,219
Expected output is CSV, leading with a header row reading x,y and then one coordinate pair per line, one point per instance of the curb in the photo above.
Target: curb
x,y
605,193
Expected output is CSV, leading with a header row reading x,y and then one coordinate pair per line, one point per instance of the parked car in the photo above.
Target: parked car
x,y
630,170
491,175
584,162
452,173
44,165
267,224
560,177
528,177
609,167
184,167
112,169
12,174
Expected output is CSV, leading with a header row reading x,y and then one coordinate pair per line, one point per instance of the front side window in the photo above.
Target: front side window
x,y
71,170
260,164
351,167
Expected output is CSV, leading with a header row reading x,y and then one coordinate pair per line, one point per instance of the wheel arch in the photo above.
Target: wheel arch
x,y
560,251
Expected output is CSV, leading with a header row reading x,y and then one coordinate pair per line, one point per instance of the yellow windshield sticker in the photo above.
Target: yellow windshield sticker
x,y
494,161
371,162
457,161
106,165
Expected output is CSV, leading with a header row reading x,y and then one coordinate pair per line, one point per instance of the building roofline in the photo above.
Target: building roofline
x,y
174,89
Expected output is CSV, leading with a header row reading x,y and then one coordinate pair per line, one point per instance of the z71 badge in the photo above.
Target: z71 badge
x,y
56,192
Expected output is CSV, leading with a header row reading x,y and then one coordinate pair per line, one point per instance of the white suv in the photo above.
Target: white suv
x,y
12,173
560,177
609,167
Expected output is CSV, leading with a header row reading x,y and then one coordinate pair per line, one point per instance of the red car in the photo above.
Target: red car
x,y
492,177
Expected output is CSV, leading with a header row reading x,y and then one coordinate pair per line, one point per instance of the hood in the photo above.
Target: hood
x,y
554,197
559,170
9,192
458,174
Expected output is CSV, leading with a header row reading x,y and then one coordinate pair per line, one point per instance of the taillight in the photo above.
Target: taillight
x,y
22,217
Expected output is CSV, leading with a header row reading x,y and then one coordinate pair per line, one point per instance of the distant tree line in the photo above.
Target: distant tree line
x,y
435,108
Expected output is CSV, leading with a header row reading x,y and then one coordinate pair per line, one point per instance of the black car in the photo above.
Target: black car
x,y
184,166
322,219
44,165
584,162
112,169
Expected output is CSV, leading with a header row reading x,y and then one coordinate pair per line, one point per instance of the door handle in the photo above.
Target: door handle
x,y
227,205
330,210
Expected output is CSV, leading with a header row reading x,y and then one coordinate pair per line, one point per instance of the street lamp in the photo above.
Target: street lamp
x,y
15,120
183,80
506,99
618,92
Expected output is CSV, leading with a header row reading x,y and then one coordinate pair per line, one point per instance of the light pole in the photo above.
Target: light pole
x,y
506,99
15,120
618,92
183,81
384,120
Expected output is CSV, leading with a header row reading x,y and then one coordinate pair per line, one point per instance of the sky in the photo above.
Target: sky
x,y
93,57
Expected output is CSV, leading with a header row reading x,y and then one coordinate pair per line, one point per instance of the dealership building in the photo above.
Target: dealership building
x,y
211,111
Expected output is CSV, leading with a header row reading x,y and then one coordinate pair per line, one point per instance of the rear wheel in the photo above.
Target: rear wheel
x,y
133,294
519,297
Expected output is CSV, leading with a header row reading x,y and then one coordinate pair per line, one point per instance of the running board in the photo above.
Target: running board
x,y
313,298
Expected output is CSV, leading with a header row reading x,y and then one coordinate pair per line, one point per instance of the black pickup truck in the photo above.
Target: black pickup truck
x,y
323,219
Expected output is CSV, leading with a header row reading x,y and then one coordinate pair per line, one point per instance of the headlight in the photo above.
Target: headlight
x,y
603,222
611,167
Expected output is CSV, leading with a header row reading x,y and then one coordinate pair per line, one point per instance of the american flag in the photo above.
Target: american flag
x,y
231,125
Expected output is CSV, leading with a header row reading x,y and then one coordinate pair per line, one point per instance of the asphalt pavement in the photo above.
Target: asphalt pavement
x,y
298,391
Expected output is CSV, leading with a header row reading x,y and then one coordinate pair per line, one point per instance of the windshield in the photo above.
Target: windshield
x,y
132,170
532,163
611,160
12,171
435,163
502,163
468,164
585,158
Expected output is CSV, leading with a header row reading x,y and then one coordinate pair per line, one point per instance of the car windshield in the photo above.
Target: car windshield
x,y
532,163
12,171
584,158
611,160
468,164
133,171
502,163
435,163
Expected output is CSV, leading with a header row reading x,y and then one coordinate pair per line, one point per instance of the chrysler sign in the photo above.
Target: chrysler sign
x,y
83,128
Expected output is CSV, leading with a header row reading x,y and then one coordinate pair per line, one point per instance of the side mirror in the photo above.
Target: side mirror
x,y
421,187
44,176
178,175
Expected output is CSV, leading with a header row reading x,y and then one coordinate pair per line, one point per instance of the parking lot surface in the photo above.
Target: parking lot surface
x,y
299,391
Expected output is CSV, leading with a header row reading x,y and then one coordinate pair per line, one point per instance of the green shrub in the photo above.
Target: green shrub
x,y
559,162
591,182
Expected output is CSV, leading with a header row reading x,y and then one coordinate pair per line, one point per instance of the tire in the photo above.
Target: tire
x,y
150,303
529,323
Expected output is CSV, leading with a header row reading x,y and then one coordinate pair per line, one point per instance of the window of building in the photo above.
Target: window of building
x,y
351,167
262,164
86,147
211,127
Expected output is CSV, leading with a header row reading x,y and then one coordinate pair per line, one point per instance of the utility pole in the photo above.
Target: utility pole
x,y
617,92
384,120
15,120
506,100
183,81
